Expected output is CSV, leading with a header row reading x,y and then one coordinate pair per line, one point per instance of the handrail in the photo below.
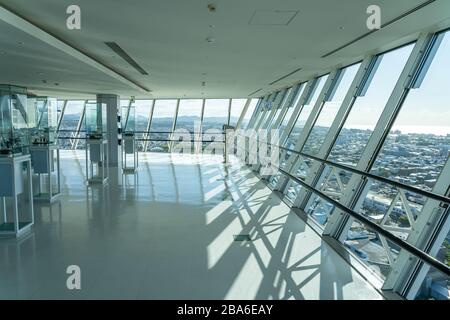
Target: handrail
x,y
397,184
425,257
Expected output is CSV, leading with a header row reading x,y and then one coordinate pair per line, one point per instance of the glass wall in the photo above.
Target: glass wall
x,y
248,115
330,110
418,145
292,106
368,107
305,113
189,114
237,107
72,120
162,125
215,114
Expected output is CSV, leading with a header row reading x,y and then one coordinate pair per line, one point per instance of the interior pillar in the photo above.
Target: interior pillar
x,y
112,102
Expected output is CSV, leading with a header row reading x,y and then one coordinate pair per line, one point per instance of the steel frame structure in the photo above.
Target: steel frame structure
x,y
431,226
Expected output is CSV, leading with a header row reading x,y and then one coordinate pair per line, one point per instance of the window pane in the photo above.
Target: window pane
x,y
290,111
142,114
124,109
375,251
304,114
332,183
280,107
237,106
215,114
266,111
329,111
366,110
395,210
436,285
69,123
248,115
189,114
162,122
418,146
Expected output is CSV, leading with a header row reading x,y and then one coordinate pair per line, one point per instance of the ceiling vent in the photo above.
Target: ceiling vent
x,y
125,56
251,94
417,8
272,18
285,76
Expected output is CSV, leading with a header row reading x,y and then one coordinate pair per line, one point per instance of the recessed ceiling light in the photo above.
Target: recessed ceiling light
x,y
212,7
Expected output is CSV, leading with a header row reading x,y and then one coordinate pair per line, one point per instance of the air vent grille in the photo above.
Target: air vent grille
x,y
417,8
125,56
286,76
253,93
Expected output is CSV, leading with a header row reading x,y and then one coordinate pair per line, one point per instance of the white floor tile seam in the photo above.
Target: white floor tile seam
x,y
143,248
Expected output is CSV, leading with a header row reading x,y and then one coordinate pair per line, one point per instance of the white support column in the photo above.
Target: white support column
x,y
174,125
433,217
244,111
307,128
256,114
279,102
61,116
335,128
293,95
307,92
112,109
284,106
76,136
149,126
276,105
264,112
335,222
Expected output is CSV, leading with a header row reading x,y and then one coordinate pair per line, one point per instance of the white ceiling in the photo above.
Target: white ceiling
x,y
168,39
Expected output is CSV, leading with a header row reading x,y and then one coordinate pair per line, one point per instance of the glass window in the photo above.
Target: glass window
x,y
304,114
251,112
189,114
418,145
329,111
394,209
367,109
287,117
293,188
237,106
162,122
124,109
69,123
143,109
375,251
436,285
215,114
266,111
248,115
280,109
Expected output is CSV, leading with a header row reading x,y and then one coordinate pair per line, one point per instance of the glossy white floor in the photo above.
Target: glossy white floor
x,y
167,233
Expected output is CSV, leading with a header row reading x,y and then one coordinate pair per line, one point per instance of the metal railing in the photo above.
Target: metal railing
x,y
423,256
